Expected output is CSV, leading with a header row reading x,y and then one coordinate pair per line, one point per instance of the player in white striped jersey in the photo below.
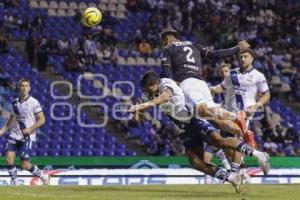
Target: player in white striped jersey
x,y
196,131
243,86
27,115
234,156
224,72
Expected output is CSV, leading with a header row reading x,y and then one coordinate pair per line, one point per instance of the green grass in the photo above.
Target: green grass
x,y
157,192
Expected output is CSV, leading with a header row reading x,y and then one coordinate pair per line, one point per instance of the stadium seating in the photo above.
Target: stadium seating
x,y
64,137
67,138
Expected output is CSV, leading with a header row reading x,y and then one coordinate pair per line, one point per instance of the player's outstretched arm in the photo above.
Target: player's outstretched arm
x,y
139,116
261,101
265,98
162,98
223,53
166,71
218,89
220,117
7,125
40,121
166,64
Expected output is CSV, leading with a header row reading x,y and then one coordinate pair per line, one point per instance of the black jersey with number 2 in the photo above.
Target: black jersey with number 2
x,y
185,59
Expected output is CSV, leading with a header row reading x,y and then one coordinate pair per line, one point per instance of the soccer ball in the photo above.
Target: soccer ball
x,y
91,17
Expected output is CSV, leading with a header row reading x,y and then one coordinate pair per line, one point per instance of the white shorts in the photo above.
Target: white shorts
x,y
196,92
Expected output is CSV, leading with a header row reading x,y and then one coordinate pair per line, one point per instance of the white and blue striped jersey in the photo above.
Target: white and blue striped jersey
x,y
25,116
242,88
177,103
176,107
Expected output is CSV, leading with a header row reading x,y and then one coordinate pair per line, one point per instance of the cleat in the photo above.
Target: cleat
x,y
241,121
208,179
246,179
249,138
236,181
46,179
263,161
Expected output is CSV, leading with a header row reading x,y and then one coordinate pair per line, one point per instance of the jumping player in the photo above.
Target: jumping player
x,y
172,101
182,61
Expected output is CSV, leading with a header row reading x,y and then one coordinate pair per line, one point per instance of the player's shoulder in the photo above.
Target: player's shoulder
x,y
15,100
33,100
164,81
235,70
174,45
169,83
169,47
256,73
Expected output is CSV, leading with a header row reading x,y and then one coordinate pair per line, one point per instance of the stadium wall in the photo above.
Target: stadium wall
x,y
157,176
126,162
144,171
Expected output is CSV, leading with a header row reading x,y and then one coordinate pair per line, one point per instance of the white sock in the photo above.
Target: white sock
x,y
256,153
235,167
221,156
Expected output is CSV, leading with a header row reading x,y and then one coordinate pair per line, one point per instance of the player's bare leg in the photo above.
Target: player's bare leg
x,y
234,123
229,154
194,155
226,156
235,144
238,166
219,153
222,118
227,126
216,112
236,161
26,165
235,158
209,152
207,157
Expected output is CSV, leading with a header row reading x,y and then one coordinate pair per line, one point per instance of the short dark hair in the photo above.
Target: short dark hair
x,y
24,80
248,50
168,32
148,79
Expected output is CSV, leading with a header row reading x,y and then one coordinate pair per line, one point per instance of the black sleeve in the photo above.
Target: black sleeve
x,y
166,71
218,54
202,50
165,57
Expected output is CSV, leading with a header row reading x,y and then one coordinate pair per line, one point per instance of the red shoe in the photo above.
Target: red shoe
x,y
241,121
249,138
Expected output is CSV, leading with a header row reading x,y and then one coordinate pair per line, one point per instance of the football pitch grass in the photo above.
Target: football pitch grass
x,y
157,192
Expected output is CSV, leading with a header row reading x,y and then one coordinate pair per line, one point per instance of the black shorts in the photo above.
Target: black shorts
x,y
196,133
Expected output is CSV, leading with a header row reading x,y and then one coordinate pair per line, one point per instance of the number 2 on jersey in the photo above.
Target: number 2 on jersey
x,y
189,56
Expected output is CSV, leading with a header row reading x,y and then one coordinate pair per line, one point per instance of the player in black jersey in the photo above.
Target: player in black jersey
x,y
172,102
182,61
